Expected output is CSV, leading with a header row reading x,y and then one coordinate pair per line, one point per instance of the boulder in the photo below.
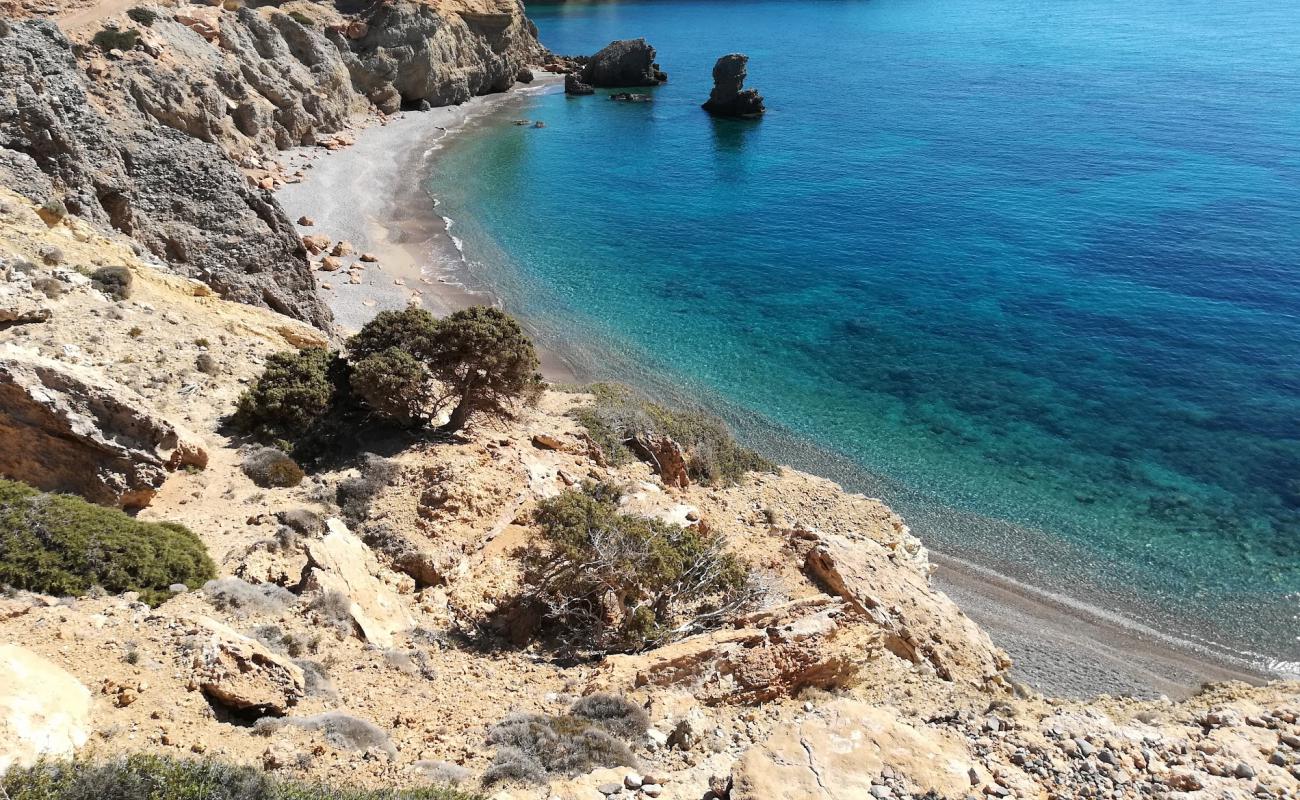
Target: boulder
x,y
839,752
574,85
241,673
919,623
341,562
811,643
66,429
44,710
664,454
626,62
729,98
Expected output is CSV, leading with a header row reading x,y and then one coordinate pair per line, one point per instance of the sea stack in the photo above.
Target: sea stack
x,y
728,98
626,62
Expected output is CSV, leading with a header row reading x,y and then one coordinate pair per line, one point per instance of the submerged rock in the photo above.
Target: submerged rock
x,y
729,98
631,97
626,62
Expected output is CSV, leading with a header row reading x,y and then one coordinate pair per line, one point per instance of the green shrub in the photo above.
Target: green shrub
x,y
150,777
302,19
61,545
144,16
393,384
607,581
295,392
713,455
616,714
113,39
413,365
271,468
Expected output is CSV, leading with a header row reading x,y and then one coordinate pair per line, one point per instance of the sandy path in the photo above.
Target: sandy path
x,y
84,18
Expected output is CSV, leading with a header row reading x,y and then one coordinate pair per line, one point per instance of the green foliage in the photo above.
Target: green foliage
x,y
487,361
151,777
609,581
113,39
713,455
302,19
294,393
62,545
393,384
412,329
142,15
413,365
271,468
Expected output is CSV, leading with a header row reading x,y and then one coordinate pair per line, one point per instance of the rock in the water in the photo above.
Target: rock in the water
x,y
626,62
729,98
241,673
44,711
631,97
69,430
574,85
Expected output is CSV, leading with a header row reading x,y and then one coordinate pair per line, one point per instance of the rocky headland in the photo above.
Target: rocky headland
x,y
364,625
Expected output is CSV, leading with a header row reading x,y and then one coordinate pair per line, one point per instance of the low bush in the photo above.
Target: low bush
x,y
143,16
341,730
294,393
533,747
608,581
334,609
151,777
302,19
713,455
61,545
244,599
116,282
114,39
271,468
616,714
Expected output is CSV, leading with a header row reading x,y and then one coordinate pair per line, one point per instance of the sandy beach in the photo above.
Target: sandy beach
x,y
372,195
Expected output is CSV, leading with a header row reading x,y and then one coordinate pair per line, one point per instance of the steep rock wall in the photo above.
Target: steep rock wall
x,y
155,142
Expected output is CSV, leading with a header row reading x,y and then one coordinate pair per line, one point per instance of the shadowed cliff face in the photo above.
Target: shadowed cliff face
x,y
153,142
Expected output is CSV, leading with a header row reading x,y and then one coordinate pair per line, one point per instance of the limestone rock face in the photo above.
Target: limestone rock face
x,y
835,754
729,98
665,455
44,711
341,562
64,429
161,179
626,62
241,673
919,623
777,653
155,143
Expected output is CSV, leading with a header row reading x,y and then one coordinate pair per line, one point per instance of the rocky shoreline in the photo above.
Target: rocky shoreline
x,y
361,627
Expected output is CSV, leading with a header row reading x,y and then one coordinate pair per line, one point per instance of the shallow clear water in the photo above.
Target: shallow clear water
x,y
1030,271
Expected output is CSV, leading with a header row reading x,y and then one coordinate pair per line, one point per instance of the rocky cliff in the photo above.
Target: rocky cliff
x,y
168,140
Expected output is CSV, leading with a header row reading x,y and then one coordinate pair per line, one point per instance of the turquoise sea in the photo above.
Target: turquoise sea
x,y
1029,271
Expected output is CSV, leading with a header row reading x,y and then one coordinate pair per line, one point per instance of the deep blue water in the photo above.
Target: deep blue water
x,y
1028,270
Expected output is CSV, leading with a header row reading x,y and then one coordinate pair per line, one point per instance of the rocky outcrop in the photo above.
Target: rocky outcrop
x,y
342,563
918,623
841,752
44,711
729,98
574,85
163,180
240,673
156,142
665,456
65,429
777,653
626,62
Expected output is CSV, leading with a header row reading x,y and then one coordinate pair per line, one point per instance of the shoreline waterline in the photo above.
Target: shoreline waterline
x,y
374,194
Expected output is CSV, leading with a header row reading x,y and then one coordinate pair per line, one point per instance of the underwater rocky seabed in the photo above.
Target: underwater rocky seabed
x,y
1027,274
